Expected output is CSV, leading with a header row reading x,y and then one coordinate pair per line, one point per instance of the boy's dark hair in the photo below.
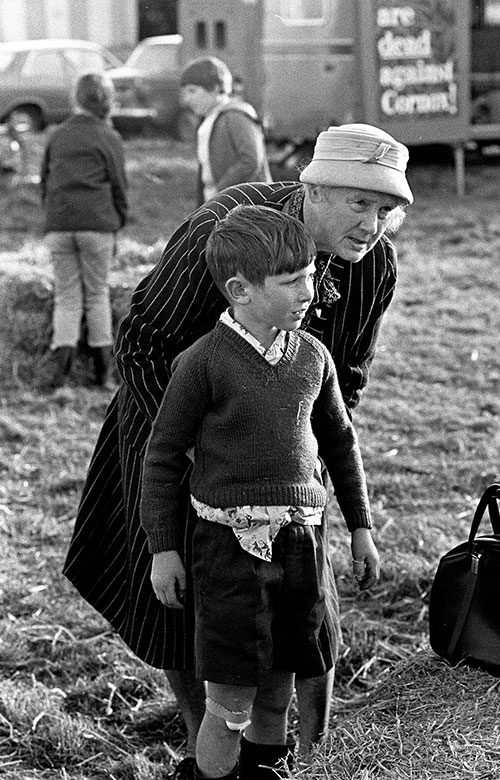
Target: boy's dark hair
x,y
208,72
257,241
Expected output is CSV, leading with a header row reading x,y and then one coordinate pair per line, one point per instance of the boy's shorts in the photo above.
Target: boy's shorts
x,y
252,616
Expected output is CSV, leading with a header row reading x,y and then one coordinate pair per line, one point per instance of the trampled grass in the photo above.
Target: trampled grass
x,y
75,704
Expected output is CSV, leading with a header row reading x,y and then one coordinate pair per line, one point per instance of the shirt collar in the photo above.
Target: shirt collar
x,y
274,352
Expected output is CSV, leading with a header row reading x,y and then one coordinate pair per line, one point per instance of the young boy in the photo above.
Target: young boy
x,y
259,401
230,144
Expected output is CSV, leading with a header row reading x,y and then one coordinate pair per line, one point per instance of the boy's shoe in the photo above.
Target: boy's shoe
x,y
184,769
263,762
231,776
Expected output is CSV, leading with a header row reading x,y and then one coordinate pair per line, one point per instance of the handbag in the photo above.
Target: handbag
x,y
464,602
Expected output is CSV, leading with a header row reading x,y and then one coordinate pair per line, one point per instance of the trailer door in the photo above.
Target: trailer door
x,y
230,30
311,74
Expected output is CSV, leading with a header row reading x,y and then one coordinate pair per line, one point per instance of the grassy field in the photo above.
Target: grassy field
x,y
75,704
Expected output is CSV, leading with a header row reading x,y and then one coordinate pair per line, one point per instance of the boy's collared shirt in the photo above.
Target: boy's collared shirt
x,y
256,527
275,352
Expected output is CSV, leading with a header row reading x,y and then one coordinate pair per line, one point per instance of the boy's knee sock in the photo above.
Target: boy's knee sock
x,y
262,762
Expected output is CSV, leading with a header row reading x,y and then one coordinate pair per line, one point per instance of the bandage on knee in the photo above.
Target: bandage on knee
x,y
236,720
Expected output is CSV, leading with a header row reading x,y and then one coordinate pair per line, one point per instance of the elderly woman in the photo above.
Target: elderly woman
x,y
85,202
351,195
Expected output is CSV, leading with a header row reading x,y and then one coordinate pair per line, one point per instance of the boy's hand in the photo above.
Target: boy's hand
x,y
365,558
168,578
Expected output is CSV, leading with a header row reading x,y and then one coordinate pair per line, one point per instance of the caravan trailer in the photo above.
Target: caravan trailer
x,y
426,70
296,60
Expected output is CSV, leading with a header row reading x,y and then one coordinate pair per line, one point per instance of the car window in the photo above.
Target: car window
x,y
84,60
6,58
154,58
110,61
50,63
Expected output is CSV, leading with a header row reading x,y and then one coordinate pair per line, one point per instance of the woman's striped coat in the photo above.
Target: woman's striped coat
x,y
107,560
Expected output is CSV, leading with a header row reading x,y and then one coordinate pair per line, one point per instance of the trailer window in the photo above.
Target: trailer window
x,y
295,12
201,35
485,13
220,35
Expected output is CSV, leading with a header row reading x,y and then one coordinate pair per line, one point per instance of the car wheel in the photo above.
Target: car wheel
x,y
11,153
29,119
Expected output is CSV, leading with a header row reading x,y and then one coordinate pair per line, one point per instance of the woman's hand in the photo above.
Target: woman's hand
x,y
365,558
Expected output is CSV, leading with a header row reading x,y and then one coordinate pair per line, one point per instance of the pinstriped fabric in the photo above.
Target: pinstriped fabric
x,y
350,327
107,560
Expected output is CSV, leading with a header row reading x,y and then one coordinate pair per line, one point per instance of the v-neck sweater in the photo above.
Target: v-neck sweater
x,y
257,430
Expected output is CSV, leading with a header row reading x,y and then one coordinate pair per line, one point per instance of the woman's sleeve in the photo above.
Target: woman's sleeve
x,y
173,433
339,448
171,307
354,368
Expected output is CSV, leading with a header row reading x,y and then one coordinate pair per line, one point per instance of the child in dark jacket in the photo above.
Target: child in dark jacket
x,y
84,196
259,401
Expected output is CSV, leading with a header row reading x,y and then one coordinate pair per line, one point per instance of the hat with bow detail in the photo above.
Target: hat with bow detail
x,y
359,156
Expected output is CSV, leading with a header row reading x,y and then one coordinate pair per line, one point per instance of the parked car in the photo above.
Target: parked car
x,y
148,88
37,77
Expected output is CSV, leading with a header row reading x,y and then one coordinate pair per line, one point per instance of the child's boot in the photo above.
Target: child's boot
x,y
103,360
56,367
232,776
263,762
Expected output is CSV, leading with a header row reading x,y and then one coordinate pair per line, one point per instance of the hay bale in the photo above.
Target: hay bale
x,y
25,326
26,303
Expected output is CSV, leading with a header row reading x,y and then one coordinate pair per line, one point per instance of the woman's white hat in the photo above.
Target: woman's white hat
x,y
359,156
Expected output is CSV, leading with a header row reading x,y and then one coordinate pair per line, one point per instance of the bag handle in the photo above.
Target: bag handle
x,y
495,512
487,500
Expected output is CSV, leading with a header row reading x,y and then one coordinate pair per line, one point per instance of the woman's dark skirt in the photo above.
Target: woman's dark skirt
x,y
109,564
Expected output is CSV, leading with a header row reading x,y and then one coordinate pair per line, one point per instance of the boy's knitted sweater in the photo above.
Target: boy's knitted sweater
x,y
257,430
